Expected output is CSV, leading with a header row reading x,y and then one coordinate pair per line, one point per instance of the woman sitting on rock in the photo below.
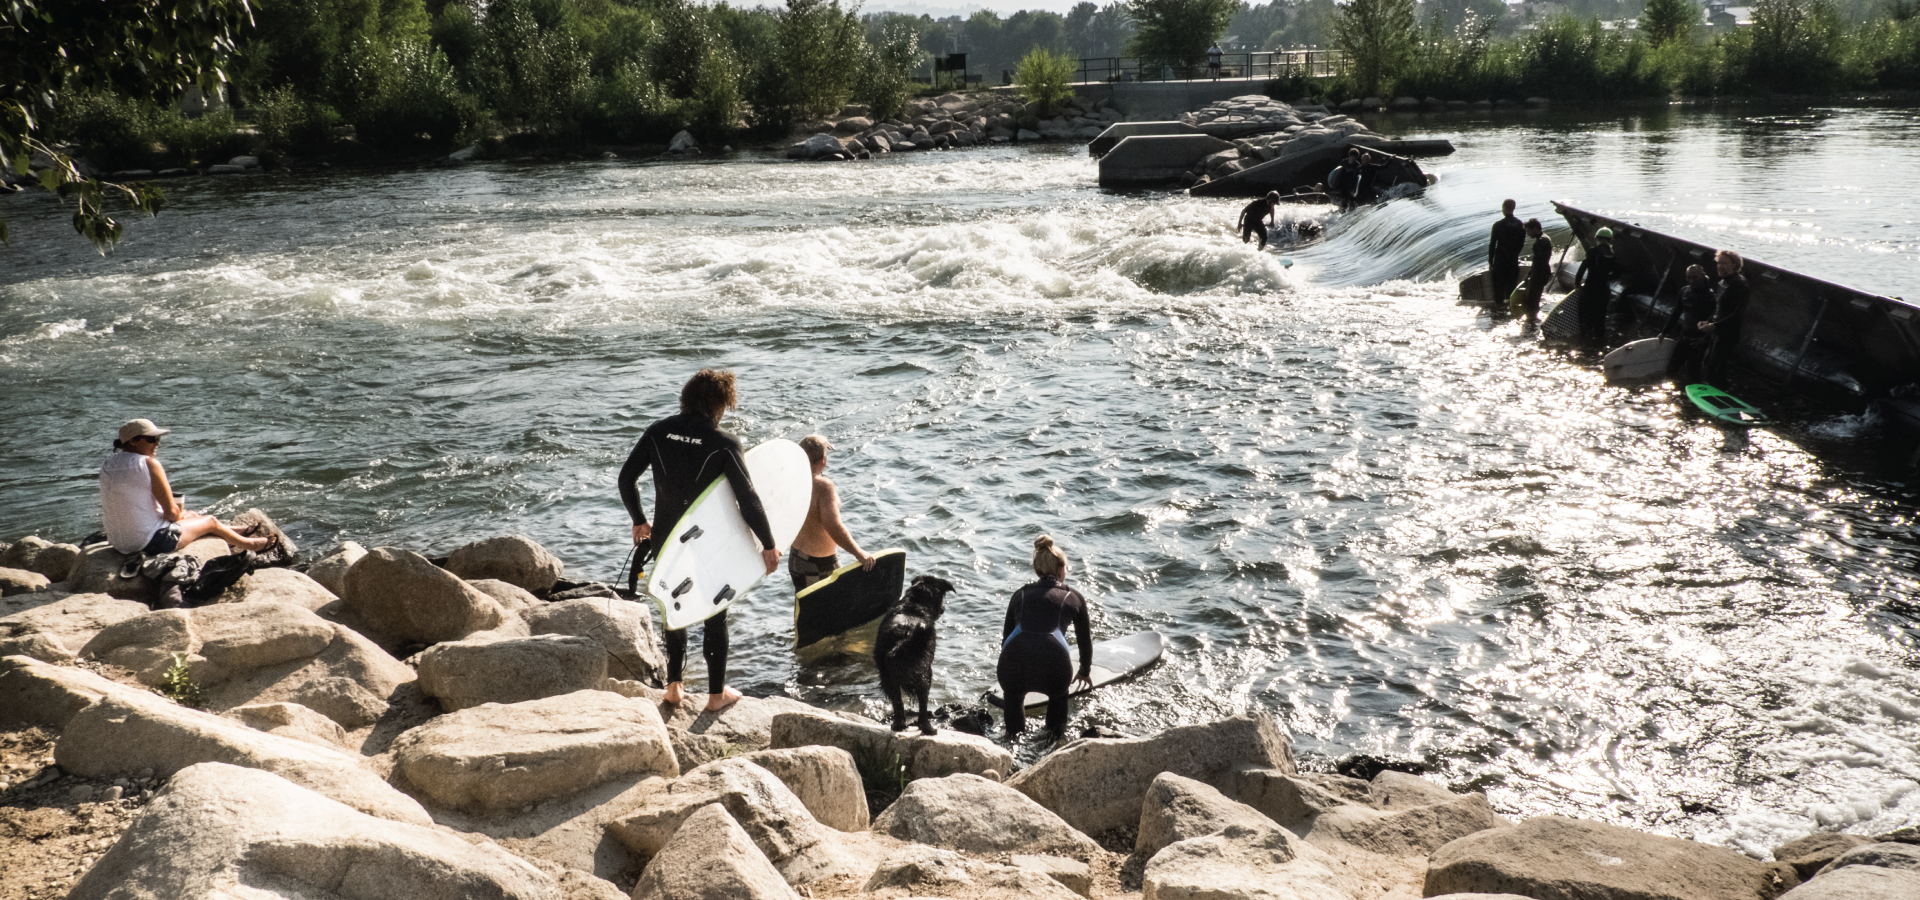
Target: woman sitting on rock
x,y
1033,649
139,508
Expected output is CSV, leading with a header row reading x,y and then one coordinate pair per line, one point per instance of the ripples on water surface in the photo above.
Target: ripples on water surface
x,y
1345,499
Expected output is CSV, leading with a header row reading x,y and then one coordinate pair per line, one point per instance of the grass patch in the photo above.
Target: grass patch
x,y
882,775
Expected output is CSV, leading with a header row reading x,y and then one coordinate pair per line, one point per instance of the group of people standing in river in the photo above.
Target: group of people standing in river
x,y
1706,320
688,451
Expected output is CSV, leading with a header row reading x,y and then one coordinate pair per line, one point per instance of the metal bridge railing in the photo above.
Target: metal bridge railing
x,y
1260,66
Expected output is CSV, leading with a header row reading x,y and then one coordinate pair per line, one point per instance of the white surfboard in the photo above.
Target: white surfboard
x,y
1113,660
1644,360
711,558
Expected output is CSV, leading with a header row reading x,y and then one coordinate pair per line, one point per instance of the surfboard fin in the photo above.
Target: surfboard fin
x,y
684,587
692,533
726,593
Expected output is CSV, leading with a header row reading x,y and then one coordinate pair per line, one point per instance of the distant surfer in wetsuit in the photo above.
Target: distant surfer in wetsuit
x,y
1595,283
1344,180
1503,254
1696,309
1257,216
1033,648
1729,315
1540,274
686,453
814,554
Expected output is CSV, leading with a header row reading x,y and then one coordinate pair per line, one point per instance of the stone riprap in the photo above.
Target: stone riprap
x,y
330,769
950,121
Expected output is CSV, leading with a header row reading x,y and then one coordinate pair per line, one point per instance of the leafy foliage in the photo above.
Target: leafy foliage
x,y
1379,37
1795,44
1045,79
1178,32
141,48
887,82
178,685
882,775
1669,20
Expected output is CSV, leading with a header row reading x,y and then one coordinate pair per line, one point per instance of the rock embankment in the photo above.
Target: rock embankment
x,y
1263,129
949,121
388,727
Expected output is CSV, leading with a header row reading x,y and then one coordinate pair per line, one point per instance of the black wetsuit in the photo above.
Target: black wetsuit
x,y
1252,222
1503,257
1539,276
1595,280
1696,306
1033,650
686,453
1344,182
1729,315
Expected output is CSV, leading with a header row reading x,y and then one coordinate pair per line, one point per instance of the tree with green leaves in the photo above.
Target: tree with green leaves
x,y
1669,20
1045,79
1177,32
145,48
1379,38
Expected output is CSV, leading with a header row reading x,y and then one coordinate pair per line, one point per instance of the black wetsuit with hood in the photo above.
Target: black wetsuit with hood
x,y
1033,650
686,453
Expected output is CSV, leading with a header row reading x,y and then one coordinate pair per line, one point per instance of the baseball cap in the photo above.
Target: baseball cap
x,y
141,428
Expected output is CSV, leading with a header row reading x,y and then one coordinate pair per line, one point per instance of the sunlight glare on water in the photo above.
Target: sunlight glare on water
x,y
1400,527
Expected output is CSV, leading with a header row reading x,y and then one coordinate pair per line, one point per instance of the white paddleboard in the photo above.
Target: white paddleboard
x,y
712,557
1112,660
1644,360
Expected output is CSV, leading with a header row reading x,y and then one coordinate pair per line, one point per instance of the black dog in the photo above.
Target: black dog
x,y
905,648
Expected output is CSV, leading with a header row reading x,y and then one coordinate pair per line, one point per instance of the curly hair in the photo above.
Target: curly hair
x,y
709,392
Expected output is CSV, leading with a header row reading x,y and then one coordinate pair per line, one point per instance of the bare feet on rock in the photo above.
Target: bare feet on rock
x,y
675,695
727,697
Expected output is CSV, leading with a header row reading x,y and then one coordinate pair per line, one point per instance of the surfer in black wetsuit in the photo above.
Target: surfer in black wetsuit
x,y
1344,181
1503,254
686,453
1729,315
1257,216
1595,283
1540,274
1033,649
1696,309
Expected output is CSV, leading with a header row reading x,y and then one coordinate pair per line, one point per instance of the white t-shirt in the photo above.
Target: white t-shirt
x,y
127,507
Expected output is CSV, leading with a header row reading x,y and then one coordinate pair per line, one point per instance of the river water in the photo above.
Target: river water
x,y
1401,527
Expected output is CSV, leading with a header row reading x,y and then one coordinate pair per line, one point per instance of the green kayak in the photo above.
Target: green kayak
x,y
1725,407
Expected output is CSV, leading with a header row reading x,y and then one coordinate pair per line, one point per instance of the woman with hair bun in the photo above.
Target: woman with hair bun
x,y
1033,648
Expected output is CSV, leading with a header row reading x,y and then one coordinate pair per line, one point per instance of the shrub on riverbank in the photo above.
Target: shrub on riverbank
x,y
1793,46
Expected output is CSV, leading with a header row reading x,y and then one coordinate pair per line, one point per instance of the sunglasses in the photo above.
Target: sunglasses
x,y
148,438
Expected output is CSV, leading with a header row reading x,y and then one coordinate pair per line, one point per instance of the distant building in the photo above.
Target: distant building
x,y
1722,18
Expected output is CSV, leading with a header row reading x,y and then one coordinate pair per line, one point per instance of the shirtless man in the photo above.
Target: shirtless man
x,y
813,557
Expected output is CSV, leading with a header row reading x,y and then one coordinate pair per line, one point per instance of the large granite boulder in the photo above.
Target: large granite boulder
x,y
402,596
511,558
120,735
1294,799
1098,784
512,599
97,571
623,629
826,781
280,585
291,720
700,737
943,754
778,823
1885,855
922,871
501,756
21,581
1410,831
54,562
970,813
330,571
223,831
56,631
709,857
1810,854
462,674
1552,858
1859,883
1244,863
250,653
1178,808
33,692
